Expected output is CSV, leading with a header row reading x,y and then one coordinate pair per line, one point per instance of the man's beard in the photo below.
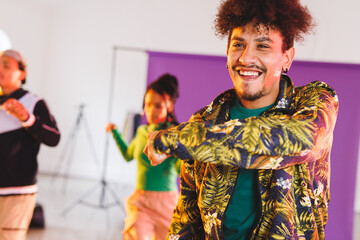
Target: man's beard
x,y
252,97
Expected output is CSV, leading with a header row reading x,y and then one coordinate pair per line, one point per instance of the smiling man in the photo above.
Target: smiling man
x,y
255,61
257,159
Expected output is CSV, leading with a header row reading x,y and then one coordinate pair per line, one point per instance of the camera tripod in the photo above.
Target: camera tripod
x,y
102,184
105,188
68,152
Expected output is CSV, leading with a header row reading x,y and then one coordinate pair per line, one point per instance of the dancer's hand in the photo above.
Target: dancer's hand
x,y
15,108
155,159
110,127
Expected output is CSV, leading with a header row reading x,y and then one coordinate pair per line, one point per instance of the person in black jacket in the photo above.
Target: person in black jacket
x,y
25,123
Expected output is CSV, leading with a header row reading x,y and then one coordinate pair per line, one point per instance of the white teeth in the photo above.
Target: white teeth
x,y
249,73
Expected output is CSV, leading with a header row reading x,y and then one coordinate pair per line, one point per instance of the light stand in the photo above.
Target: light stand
x,y
103,184
71,144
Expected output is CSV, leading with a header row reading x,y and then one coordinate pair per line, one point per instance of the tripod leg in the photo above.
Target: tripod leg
x,y
91,142
68,165
114,196
72,138
80,200
62,157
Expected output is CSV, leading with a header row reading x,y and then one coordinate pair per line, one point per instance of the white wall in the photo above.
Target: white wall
x,y
69,43
27,25
335,34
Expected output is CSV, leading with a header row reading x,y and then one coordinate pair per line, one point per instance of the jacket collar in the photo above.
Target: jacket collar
x,y
286,93
219,110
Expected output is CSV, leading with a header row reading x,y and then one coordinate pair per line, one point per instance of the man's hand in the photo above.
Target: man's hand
x,y
15,108
155,159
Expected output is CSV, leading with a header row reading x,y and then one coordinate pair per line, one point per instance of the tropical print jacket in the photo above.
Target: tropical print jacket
x,y
290,146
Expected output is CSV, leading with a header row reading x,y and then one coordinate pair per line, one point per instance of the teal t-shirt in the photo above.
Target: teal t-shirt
x,y
245,205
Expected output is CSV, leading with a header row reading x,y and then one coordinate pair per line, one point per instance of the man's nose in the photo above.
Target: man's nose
x,y
247,57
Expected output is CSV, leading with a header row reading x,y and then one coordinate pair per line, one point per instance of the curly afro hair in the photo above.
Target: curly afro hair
x,y
289,17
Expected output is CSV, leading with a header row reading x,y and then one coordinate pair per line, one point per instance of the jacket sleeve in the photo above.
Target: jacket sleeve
x,y
44,127
266,142
125,150
186,221
177,165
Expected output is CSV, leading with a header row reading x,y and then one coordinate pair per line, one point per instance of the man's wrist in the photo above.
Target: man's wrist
x,y
157,144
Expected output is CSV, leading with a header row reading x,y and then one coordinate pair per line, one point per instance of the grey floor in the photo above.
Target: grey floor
x,y
75,210
67,218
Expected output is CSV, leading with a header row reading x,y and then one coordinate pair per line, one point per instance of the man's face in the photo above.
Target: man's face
x,y
10,74
255,60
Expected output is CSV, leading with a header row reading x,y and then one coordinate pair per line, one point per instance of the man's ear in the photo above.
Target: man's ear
x,y
289,57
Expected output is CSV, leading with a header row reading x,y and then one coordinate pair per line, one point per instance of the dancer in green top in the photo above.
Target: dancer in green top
x,y
150,207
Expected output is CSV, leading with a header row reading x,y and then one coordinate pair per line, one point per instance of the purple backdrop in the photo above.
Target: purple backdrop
x,y
201,78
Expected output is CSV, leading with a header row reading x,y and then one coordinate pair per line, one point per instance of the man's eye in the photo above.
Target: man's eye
x,y
263,46
238,45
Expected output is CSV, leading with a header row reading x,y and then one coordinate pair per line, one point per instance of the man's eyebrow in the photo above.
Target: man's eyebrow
x,y
263,39
237,39
260,39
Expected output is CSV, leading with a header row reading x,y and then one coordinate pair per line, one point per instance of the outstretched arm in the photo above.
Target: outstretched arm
x,y
259,142
125,150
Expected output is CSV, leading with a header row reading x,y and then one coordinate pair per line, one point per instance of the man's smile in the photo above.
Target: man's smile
x,y
249,73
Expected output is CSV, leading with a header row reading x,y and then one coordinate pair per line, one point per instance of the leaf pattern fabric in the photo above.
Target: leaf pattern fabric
x,y
290,145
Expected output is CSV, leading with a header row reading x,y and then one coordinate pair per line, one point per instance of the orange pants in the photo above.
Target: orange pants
x,y
148,214
16,212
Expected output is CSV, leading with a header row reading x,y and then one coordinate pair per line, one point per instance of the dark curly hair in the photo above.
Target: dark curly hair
x,y
166,84
289,17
